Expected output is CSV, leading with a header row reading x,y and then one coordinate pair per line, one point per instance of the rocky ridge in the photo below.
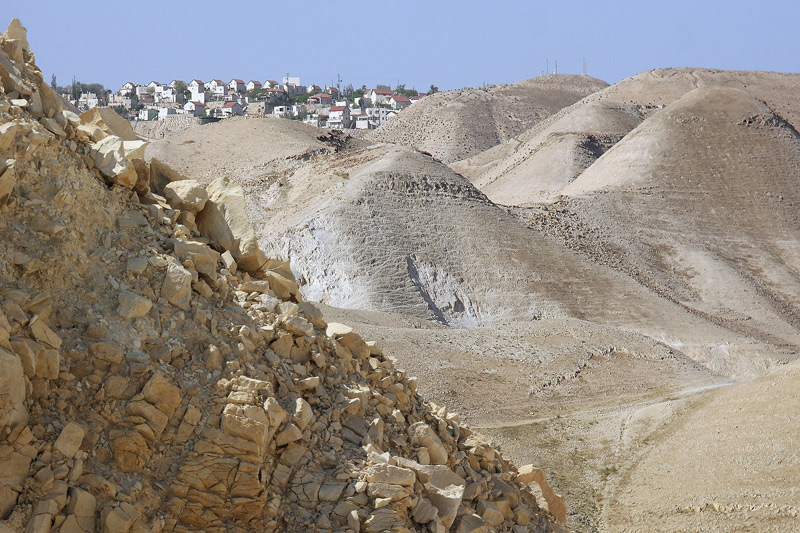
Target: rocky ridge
x,y
158,373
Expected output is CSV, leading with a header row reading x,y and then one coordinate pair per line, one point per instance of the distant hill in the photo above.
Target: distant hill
x,y
454,125
537,164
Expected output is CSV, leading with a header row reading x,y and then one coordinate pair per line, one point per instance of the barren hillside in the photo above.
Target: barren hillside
x,y
454,125
537,164
243,146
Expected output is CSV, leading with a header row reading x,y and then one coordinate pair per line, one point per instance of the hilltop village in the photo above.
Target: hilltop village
x,y
329,107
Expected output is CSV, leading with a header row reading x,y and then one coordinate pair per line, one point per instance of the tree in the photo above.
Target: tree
x,y
382,87
180,88
348,91
53,84
400,89
433,89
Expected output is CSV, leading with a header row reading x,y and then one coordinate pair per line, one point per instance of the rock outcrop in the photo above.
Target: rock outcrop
x,y
157,373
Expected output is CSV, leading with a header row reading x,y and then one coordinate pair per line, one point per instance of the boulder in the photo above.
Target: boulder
x,y
555,504
186,195
8,178
113,156
177,286
421,434
162,174
132,305
224,221
12,390
110,122
393,475
70,439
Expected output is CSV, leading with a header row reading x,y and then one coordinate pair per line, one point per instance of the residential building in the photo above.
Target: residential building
x,y
88,101
165,112
118,100
339,117
314,89
196,109
236,86
397,101
216,88
362,122
321,99
271,84
198,90
127,89
378,96
148,113
282,111
253,85
333,91
276,95
232,109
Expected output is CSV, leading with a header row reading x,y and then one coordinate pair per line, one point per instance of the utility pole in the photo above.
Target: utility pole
x,y
339,82
547,70
556,70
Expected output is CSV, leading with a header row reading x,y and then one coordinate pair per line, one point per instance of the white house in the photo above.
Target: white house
x,y
232,109
333,91
314,89
127,89
217,88
253,85
198,90
88,101
362,122
148,113
339,117
165,112
271,84
397,101
282,110
291,80
379,115
154,87
236,86
378,96
196,109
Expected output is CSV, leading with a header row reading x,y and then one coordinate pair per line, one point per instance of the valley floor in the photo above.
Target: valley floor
x,y
634,440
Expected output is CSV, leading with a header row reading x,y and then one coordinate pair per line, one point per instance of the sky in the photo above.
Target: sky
x,y
448,43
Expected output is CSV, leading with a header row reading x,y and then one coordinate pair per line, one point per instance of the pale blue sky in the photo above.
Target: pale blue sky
x,y
449,43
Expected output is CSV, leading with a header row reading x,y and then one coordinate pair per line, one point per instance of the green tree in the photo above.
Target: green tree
x,y
400,89
180,88
433,89
53,84
382,87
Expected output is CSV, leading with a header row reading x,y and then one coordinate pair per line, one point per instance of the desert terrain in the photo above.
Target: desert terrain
x,y
583,291
261,325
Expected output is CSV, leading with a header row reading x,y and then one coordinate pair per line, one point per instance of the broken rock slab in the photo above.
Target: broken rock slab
x,y
224,221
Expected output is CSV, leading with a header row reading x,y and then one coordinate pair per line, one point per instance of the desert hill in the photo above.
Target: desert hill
x,y
455,125
159,373
416,238
537,164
